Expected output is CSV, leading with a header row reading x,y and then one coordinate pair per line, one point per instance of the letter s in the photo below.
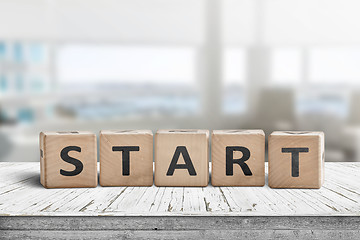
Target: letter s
x,y
77,163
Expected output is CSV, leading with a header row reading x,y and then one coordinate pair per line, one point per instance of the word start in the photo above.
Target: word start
x,y
181,158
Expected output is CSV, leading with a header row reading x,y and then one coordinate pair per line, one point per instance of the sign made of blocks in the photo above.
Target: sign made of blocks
x,y
68,159
182,158
238,158
296,159
126,158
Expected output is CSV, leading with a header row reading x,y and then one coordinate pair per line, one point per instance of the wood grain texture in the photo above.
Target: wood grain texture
x,y
21,194
51,145
197,146
254,141
317,234
180,227
310,173
140,162
177,223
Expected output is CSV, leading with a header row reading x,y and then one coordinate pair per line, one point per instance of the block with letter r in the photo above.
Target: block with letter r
x,y
238,158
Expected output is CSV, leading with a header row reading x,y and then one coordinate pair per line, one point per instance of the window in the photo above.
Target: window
x,y
2,51
286,66
126,64
234,75
324,102
24,68
336,66
143,80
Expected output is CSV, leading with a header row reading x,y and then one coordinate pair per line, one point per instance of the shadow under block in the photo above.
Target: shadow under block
x,y
238,158
182,158
126,158
296,159
68,159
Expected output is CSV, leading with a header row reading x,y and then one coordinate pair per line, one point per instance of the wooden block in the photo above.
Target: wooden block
x,y
68,159
182,158
126,158
238,158
296,159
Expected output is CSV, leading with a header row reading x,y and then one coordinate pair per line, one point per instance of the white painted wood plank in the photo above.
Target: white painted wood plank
x,y
22,194
215,201
171,200
17,174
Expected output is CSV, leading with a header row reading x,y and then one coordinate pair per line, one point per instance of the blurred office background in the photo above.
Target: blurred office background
x,y
213,64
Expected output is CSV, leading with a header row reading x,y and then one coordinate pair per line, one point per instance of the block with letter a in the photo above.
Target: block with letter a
x,y
296,159
182,158
68,159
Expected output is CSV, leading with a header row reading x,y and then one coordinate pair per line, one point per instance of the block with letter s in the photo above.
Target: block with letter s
x,y
68,159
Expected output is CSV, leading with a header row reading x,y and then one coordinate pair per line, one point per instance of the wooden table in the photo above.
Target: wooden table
x,y
30,211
